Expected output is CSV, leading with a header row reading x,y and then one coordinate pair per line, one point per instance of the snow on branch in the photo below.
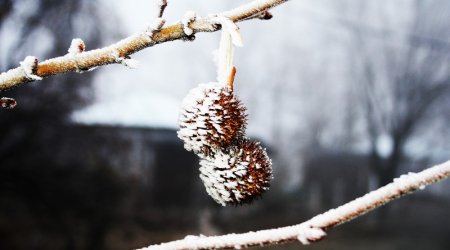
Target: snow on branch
x,y
314,229
120,51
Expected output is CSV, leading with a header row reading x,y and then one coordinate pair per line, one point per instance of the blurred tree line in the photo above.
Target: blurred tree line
x,y
46,203
372,79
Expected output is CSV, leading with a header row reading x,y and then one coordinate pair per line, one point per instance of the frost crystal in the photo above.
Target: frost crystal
x,y
211,118
237,174
307,234
77,46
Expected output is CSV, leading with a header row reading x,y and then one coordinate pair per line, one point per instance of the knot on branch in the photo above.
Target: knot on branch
x,y
126,61
29,66
188,19
266,15
156,25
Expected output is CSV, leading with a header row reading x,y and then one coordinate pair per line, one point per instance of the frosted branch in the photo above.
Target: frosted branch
x,y
88,60
314,229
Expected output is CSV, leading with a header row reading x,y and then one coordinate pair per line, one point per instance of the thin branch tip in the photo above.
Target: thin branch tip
x,y
161,6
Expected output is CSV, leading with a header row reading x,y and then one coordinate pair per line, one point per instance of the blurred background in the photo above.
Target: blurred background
x,y
345,94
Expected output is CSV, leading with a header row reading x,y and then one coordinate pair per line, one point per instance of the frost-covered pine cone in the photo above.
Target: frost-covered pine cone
x,y
237,174
212,117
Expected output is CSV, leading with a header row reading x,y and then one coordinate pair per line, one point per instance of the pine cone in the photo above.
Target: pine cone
x,y
212,118
237,174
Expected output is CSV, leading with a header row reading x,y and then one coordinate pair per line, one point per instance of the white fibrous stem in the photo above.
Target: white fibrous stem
x,y
29,67
313,229
224,58
188,19
225,54
230,26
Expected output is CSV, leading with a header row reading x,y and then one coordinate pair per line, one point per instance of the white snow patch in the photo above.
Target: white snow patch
x,y
307,234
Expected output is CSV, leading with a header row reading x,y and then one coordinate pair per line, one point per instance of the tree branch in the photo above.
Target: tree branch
x,y
89,60
314,229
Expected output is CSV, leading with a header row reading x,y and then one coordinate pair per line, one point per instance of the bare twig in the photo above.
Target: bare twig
x,y
162,4
123,49
314,229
